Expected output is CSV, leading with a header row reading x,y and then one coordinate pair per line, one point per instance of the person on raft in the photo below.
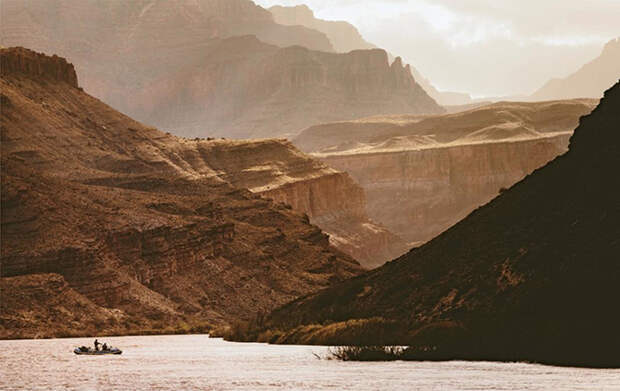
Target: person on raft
x,y
97,343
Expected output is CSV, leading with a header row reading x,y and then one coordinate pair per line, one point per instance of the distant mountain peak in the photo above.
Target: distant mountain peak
x,y
590,81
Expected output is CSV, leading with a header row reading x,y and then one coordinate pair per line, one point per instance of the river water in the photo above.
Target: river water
x,y
197,362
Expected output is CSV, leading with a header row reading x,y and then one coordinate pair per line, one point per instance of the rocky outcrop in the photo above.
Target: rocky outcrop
x,y
196,80
338,205
331,199
23,61
342,35
441,168
533,275
590,81
135,221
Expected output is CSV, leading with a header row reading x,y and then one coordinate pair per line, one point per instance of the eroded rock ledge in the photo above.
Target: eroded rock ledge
x,y
37,65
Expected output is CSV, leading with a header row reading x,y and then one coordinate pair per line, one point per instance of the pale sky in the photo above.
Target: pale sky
x,y
483,47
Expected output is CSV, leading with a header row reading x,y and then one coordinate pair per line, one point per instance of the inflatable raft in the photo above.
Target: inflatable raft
x,y
92,352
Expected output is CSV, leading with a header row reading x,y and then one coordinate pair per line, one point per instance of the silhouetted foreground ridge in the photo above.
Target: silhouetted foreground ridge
x,y
533,275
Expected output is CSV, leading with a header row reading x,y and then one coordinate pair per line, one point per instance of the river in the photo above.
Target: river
x,y
197,362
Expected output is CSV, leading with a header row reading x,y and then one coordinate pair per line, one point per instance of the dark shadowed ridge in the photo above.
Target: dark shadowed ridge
x,y
533,275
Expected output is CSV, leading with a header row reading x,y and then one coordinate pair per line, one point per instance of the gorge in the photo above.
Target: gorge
x,y
530,276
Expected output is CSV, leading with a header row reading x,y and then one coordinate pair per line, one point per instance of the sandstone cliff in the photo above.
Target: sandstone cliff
x,y
330,198
168,63
440,168
102,214
533,275
590,81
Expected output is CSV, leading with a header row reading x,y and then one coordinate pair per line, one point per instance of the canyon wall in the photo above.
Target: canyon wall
x,y
422,174
245,88
331,199
115,215
345,38
176,65
420,193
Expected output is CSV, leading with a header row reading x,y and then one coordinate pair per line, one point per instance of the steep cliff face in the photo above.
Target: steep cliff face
x,y
345,38
133,220
245,88
331,199
23,61
590,81
441,168
342,35
437,187
533,275
168,63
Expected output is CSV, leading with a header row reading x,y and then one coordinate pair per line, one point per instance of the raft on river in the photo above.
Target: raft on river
x,y
83,350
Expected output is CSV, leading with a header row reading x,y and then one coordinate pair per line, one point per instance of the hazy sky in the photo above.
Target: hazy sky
x,y
484,47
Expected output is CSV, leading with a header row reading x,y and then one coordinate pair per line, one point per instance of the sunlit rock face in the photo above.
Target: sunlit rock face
x,y
331,199
173,64
590,81
143,227
423,174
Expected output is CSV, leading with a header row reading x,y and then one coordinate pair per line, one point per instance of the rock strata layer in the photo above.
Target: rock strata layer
x,y
331,199
423,174
102,214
